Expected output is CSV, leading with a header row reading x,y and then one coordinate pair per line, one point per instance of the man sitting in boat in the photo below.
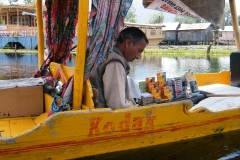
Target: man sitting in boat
x,y
110,78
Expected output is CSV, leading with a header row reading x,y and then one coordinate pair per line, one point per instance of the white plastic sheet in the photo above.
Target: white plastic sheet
x,y
210,10
23,82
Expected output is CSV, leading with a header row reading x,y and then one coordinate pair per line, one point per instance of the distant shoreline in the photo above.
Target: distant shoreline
x,y
223,47
162,49
18,51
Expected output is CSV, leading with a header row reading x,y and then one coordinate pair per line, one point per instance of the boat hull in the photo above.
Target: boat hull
x,y
75,134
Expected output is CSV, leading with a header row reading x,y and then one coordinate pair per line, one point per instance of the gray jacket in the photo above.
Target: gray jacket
x,y
97,76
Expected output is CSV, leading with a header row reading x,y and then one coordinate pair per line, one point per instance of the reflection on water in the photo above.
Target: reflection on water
x,y
220,146
23,59
175,67
140,69
17,65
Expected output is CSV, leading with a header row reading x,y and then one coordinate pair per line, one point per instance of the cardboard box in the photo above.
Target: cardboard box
x,y
21,101
146,98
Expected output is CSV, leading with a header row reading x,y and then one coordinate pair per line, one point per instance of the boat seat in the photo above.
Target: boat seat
x,y
11,127
64,73
222,77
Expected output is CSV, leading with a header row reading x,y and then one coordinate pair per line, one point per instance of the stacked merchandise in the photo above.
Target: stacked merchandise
x,y
191,87
158,89
177,87
165,89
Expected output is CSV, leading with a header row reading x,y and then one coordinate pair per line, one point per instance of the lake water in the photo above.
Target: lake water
x,y
175,67
148,66
219,146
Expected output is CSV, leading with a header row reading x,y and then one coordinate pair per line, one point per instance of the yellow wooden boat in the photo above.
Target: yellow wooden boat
x,y
88,131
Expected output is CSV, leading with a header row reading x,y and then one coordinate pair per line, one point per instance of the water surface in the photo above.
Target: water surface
x,y
148,66
175,67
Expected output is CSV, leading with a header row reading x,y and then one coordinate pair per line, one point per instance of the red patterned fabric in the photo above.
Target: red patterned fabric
x,y
105,23
61,20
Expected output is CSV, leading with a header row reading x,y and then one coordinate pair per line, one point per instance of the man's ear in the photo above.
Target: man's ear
x,y
128,42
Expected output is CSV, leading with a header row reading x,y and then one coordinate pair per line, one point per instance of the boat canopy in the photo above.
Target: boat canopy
x,y
211,11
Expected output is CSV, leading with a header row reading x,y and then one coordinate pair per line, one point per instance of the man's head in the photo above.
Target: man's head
x,y
131,43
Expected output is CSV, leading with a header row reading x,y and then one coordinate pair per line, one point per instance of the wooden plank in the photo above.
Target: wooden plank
x,y
81,53
40,33
18,126
40,119
4,128
88,95
222,77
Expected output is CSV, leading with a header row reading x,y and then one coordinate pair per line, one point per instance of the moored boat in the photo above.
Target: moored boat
x,y
86,131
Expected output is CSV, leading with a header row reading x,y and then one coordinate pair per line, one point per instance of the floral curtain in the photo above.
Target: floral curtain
x,y
61,19
106,21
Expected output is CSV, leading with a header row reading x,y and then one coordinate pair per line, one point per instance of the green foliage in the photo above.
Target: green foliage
x,y
1,21
156,18
30,1
131,15
193,53
227,15
187,20
216,30
11,1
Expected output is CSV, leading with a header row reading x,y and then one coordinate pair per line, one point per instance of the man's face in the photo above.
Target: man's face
x,y
132,51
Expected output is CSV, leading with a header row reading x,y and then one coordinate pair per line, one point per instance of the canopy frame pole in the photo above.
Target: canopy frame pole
x,y
40,33
81,53
233,10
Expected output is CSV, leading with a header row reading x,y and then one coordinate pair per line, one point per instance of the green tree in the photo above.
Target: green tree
x,y
187,20
156,18
227,15
11,1
131,15
1,21
30,1
216,33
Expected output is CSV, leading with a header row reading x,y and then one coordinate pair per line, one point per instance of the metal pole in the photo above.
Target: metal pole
x,y
232,5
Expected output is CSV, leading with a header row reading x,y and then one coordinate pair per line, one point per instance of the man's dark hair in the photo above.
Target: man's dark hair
x,y
132,33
